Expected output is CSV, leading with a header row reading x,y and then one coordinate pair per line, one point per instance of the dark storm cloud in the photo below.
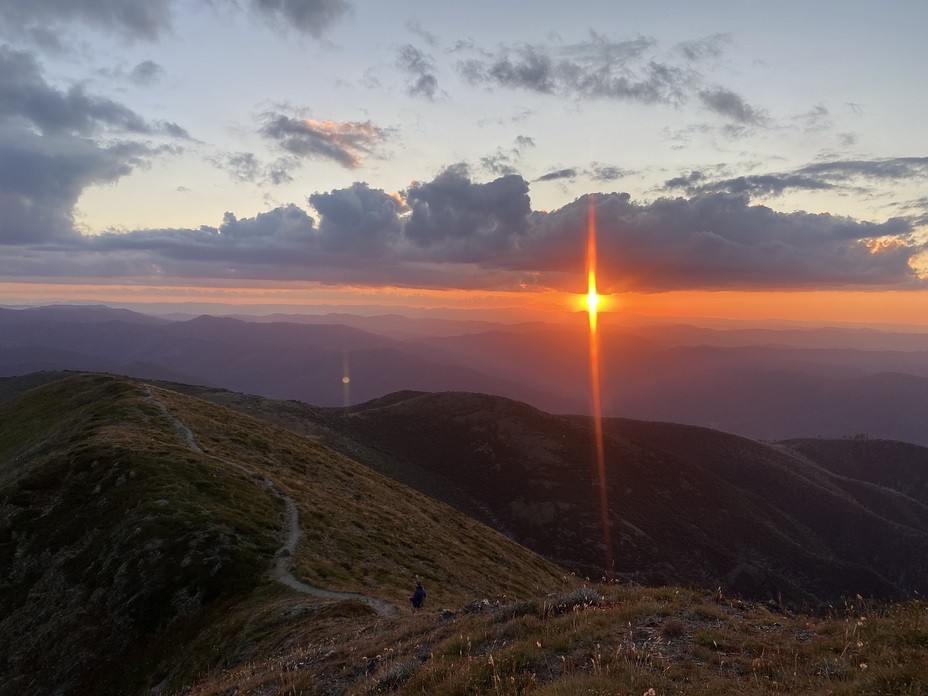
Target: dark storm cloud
x,y
731,106
139,19
454,232
421,69
598,68
343,142
25,95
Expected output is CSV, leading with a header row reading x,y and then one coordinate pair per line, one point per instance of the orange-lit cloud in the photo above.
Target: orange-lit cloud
x,y
344,142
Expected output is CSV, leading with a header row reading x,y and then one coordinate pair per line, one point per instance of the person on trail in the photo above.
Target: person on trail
x,y
418,596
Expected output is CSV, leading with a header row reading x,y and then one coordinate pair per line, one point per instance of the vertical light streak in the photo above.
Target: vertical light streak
x,y
592,300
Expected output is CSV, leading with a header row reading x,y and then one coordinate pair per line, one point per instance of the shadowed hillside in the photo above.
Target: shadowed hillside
x,y
687,505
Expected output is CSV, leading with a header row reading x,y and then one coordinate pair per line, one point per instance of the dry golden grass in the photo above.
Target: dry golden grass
x,y
554,646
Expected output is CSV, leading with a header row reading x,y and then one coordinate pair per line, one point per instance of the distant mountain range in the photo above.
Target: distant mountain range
x,y
760,383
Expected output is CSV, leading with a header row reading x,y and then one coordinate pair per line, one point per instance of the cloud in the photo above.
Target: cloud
x,y
150,20
56,143
598,68
42,177
455,219
758,184
146,73
813,177
340,141
359,220
559,174
709,47
452,231
245,167
313,17
892,169
503,162
416,28
421,68
500,163
731,106
135,19
721,241
25,95
605,172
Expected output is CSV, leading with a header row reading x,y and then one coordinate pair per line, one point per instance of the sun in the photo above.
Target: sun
x,y
592,300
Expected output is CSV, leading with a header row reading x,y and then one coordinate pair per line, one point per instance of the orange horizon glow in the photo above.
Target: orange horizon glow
x,y
902,308
595,394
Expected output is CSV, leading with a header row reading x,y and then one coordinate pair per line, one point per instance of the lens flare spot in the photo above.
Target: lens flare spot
x,y
346,379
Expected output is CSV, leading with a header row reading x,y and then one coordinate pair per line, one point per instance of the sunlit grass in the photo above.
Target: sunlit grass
x,y
557,646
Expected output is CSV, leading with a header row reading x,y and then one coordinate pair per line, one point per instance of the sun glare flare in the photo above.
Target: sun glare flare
x,y
592,300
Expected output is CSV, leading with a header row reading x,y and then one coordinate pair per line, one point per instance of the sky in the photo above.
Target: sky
x,y
746,160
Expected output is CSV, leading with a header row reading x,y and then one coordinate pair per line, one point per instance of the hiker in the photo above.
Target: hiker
x,y
418,596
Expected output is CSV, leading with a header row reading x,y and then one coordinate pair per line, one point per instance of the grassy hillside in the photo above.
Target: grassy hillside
x,y
141,530
688,505
143,550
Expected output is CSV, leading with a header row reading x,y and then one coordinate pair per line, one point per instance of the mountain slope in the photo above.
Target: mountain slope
x,y
687,505
143,530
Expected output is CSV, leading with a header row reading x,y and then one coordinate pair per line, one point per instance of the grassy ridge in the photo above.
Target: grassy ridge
x,y
605,641
134,554
113,529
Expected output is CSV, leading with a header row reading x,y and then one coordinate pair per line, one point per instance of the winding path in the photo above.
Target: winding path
x,y
282,564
